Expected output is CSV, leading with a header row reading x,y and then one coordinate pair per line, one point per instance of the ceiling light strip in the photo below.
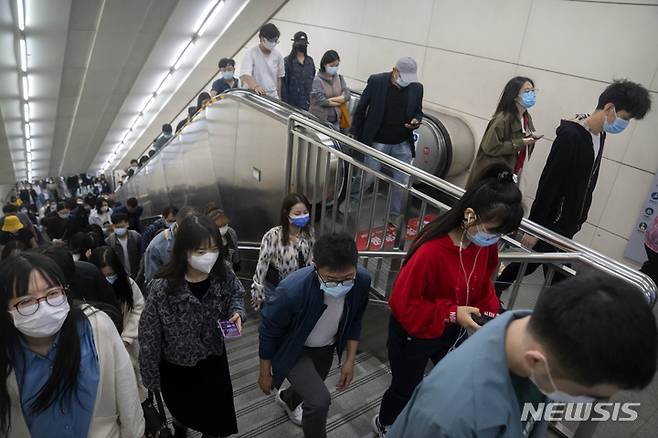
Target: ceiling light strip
x,y
20,12
211,15
215,8
83,82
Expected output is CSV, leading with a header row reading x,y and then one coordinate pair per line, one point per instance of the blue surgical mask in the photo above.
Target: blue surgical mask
x,y
482,238
112,278
337,291
120,232
616,126
401,82
556,394
227,75
300,221
331,70
528,99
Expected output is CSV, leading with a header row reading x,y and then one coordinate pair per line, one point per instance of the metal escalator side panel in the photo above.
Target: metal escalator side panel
x,y
445,145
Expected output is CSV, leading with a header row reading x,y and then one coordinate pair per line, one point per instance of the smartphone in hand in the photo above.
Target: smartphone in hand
x,y
229,329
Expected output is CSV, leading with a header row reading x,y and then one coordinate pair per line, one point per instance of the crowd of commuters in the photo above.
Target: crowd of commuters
x,y
102,311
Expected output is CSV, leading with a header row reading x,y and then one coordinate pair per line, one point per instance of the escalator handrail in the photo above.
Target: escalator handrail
x,y
436,125
296,117
640,280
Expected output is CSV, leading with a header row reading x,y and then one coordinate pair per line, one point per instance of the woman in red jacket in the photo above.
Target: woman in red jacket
x,y
445,279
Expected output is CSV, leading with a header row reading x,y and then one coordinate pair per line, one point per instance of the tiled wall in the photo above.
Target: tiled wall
x,y
467,50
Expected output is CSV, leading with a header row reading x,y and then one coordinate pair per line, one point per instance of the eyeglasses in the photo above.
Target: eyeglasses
x,y
55,296
346,283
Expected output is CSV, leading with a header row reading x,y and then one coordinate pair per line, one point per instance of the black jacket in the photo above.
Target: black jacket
x,y
369,114
134,250
564,193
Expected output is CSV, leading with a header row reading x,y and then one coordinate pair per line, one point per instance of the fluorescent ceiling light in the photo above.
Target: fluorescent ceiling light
x,y
162,83
29,156
20,11
26,94
179,61
27,131
26,112
23,53
209,17
28,145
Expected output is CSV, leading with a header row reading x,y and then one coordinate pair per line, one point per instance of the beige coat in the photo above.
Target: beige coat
x,y
118,412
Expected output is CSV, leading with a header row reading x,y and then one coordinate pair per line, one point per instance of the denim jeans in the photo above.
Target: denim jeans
x,y
400,151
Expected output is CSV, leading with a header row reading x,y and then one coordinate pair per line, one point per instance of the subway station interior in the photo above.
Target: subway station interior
x,y
124,122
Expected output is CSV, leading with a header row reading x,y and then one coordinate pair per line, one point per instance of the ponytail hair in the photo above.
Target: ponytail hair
x,y
495,198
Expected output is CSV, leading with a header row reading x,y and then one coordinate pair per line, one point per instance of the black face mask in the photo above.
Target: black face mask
x,y
300,47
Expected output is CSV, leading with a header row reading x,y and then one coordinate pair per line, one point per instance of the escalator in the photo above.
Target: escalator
x,y
236,154
245,152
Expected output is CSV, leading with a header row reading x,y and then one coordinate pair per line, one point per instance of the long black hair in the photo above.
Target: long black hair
x,y
191,234
90,241
494,198
106,256
15,274
507,103
288,203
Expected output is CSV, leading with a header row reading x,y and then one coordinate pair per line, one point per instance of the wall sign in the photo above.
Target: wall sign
x,y
648,215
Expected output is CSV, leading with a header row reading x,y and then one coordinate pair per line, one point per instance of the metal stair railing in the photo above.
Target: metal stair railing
x,y
422,192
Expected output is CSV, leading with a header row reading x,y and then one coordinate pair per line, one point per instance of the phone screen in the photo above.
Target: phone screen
x,y
229,329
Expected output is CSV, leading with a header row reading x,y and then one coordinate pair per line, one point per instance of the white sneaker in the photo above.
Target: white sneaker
x,y
294,415
377,427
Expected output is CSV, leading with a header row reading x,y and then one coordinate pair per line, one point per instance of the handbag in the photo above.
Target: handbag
x,y
344,116
155,418
274,277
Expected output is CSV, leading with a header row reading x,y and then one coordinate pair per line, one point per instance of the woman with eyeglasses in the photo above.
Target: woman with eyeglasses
x,y
182,351
446,281
65,370
128,295
510,135
284,248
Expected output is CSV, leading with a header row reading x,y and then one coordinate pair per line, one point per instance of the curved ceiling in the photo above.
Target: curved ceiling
x,y
93,64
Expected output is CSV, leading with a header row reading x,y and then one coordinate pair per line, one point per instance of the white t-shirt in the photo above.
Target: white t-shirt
x,y
596,144
325,330
126,259
265,69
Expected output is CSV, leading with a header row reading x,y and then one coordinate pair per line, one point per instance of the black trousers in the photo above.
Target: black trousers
x,y
509,274
650,267
408,358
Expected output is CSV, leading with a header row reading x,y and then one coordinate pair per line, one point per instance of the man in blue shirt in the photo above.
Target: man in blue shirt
x,y
315,311
587,338
158,252
228,79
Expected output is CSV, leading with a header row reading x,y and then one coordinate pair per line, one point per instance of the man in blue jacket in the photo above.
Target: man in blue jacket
x,y
587,338
390,109
315,311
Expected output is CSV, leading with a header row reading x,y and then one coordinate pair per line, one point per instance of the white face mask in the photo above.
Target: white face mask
x,y
45,322
223,230
269,45
556,394
205,262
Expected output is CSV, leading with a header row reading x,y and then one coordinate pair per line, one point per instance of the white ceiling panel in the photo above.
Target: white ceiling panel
x,y
92,64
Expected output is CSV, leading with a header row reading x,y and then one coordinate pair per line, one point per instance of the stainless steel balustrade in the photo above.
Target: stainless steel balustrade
x,y
298,126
